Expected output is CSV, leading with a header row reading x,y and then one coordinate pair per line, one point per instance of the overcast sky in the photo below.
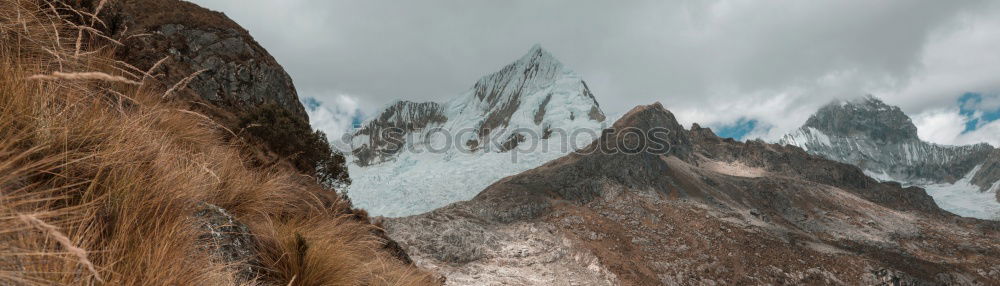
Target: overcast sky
x,y
718,63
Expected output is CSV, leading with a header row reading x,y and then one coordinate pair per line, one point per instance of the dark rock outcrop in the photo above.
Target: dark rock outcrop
x,y
202,58
989,172
230,69
230,241
385,134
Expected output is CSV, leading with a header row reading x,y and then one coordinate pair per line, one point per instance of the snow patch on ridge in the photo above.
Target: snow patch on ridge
x,y
881,176
806,137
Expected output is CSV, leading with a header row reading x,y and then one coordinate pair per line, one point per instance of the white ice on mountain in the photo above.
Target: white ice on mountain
x,y
964,199
418,181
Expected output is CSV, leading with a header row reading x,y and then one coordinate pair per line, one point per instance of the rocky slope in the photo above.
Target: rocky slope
x,y
710,211
414,157
204,59
883,141
204,66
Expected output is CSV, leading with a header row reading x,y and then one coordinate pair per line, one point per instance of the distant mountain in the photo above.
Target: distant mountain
x,y
711,211
883,141
414,157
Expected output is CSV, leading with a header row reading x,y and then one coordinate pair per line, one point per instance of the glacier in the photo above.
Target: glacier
x,y
530,112
965,199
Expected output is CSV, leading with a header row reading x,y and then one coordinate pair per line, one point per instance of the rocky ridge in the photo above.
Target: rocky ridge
x,y
711,211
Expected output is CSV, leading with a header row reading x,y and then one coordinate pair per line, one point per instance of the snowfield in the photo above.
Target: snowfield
x,y
964,199
418,183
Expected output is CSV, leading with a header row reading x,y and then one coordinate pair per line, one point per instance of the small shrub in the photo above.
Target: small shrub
x,y
291,137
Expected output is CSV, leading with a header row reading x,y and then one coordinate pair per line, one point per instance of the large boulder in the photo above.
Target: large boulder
x,y
235,71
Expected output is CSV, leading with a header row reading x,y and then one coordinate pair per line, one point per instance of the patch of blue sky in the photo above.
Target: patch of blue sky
x,y
737,130
311,104
978,109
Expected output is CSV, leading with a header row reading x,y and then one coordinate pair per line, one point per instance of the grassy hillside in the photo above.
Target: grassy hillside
x,y
101,178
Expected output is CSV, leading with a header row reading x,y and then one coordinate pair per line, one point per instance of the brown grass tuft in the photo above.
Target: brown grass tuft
x,y
100,179
84,76
181,84
53,231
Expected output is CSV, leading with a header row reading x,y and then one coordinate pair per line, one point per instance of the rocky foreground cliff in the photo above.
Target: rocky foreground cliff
x,y
710,211
155,143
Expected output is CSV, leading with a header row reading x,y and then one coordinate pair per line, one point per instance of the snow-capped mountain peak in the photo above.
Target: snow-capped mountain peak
x,y
534,91
535,70
882,140
531,102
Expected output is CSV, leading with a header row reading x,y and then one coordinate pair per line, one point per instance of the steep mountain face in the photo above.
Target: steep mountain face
x,y
883,141
710,211
868,118
497,98
414,157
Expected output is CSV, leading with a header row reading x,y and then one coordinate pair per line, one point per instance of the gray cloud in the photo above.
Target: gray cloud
x,y
712,62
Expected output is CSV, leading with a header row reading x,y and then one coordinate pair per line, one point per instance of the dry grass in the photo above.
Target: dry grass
x,y
100,178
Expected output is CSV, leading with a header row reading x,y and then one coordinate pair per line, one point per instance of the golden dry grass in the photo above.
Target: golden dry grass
x,y
100,178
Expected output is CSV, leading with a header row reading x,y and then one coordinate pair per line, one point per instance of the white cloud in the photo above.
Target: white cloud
x,y
942,126
989,133
958,58
946,126
333,115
